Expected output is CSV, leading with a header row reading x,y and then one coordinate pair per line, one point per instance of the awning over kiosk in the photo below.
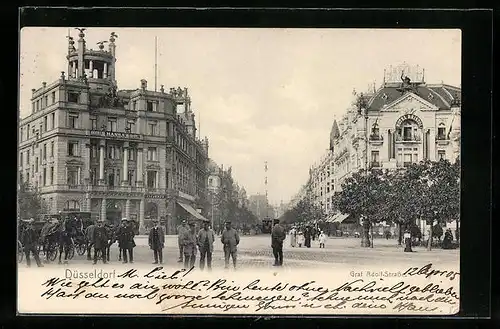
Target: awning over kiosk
x,y
340,218
192,211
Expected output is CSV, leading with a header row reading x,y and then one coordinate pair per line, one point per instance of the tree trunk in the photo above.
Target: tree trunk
x,y
400,235
365,238
429,242
371,235
457,229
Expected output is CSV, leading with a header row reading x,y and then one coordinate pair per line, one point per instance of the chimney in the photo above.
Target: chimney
x,y
44,84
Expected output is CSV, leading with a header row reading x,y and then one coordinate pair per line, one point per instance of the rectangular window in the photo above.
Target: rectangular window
x,y
28,132
44,177
111,124
111,152
152,154
93,152
53,97
131,177
33,108
46,101
151,179
132,154
45,151
45,125
51,175
152,128
21,159
441,155
53,121
36,164
93,176
51,149
93,123
21,134
130,126
73,149
72,176
28,157
73,97
38,105
73,121
150,106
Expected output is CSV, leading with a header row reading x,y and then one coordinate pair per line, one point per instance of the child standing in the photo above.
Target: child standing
x,y
300,239
322,239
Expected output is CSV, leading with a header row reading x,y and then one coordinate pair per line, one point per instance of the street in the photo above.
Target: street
x,y
255,252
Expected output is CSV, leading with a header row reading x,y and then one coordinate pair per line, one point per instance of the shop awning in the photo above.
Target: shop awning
x,y
192,211
340,218
331,218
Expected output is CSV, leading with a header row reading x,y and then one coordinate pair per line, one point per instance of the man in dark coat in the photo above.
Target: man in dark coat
x,y
100,239
189,240
126,241
278,235
230,240
157,241
206,238
29,241
307,237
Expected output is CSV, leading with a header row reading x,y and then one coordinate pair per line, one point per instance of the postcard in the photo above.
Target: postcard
x,y
239,171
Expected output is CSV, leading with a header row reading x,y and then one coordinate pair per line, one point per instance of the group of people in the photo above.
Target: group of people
x,y
189,241
302,236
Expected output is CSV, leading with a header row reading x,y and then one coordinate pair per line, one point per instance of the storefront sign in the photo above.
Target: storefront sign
x,y
115,134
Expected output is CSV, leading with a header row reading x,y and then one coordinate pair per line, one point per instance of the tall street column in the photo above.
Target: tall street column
x,y
86,174
105,72
140,170
101,162
432,145
103,209
141,216
73,69
125,164
91,69
127,209
422,146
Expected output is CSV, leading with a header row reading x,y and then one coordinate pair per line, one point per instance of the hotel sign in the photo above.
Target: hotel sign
x,y
115,134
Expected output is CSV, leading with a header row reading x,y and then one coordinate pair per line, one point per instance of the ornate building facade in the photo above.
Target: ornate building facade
x,y
88,146
404,121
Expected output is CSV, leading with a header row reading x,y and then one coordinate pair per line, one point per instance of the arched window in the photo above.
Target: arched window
x,y
408,130
375,130
72,205
151,210
441,131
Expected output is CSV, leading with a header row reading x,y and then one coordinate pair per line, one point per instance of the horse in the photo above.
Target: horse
x,y
112,238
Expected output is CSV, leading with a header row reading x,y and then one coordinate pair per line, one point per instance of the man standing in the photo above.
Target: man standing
x,y
206,238
189,245
157,241
126,241
307,237
230,240
100,239
29,241
277,237
89,236
181,229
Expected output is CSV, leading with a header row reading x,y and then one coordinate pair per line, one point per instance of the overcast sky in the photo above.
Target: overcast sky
x,y
261,94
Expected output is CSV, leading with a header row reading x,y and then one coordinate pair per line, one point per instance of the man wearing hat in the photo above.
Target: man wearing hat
x,y
156,241
183,227
29,240
189,245
100,238
230,240
277,237
126,241
206,238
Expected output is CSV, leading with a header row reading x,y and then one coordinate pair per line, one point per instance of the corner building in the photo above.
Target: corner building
x,y
88,146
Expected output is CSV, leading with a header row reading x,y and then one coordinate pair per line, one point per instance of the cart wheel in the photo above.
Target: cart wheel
x,y
81,248
71,252
52,253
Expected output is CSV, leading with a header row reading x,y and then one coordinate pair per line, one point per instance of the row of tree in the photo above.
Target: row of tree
x,y
29,202
427,191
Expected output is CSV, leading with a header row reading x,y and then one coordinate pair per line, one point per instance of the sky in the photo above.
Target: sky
x,y
258,94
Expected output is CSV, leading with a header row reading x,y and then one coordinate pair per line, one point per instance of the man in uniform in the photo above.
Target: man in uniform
x,y
189,245
180,232
230,240
29,241
126,241
157,241
100,239
206,238
277,237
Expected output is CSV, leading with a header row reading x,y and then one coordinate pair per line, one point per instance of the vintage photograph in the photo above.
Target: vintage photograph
x,y
327,158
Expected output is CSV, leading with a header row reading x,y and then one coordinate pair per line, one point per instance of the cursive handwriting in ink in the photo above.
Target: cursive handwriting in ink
x,y
428,272
409,306
254,285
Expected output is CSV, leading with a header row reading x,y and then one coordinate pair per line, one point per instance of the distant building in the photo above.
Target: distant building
x,y
259,206
88,146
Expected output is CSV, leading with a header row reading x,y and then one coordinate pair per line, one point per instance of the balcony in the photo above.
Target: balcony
x,y
375,164
408,139
376,139
442,140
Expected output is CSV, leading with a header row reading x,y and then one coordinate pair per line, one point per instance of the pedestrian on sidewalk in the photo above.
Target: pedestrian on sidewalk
x,y
29,241
189,240
230,240
278,235
300,239
293,237
206,239
322,239
307,236
156,241
181,229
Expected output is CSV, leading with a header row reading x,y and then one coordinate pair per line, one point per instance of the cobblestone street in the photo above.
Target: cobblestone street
x,y
255,252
